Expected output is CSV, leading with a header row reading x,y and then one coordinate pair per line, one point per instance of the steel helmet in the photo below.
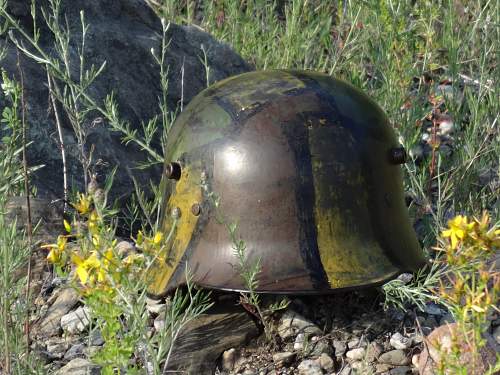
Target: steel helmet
x,y
307,165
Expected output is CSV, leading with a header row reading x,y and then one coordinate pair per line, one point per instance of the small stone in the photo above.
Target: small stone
x,y
76,321
76,351
398,341
96,338
159,323
447,318
354,343
433,309
229,359
326,362
346,370
309,367
299,342
382,368
405,278
417,338
356,354
155,306
124,248
373,351
339,347
431,322
414,360
292,323
57,347
79,366
283,358
63,302
394,357
400,370
320,347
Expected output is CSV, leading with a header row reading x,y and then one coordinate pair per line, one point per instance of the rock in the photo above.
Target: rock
x,y
299,342
400,370
76,321
373,351
339,347
398,341
319,347
394,357
229,359
356,354
353,343
56,347
76,351
326,362
447,318
432,309
125,248
405,278
122,33
159,323
442,341
96,338
155,306
283,358
309,367
204,339
79,366
414,360
382,368
292,323
50,325
346,370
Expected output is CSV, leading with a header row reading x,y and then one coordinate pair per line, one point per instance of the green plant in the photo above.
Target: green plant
x,y
471,289
14,247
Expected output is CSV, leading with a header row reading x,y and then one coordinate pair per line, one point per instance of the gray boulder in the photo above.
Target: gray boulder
x,y
122,33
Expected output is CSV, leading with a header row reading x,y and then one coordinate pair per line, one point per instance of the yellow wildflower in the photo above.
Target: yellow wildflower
x,y
84,267
83,204
56,250
459,227
157,238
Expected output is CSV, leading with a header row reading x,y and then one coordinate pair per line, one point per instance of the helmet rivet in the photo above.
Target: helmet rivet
x,y
196,209
398,155
173,171
176,212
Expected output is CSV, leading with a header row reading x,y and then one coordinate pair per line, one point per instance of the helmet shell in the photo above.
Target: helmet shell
x,y
301,162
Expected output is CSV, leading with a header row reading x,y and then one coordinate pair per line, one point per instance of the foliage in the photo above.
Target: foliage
x,y
113,283
472,287
14,250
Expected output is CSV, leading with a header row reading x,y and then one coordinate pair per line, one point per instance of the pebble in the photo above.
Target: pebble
x,y
414,360
394,357
326,362
76,321
228,359
57,347
382,368
339,347
353,343
320,347
299,342
309,367
398,341
346,370
79,366
433,309
400,370
76,351
159,323
155,306
373,351
356,354
283,358
405,278
292,323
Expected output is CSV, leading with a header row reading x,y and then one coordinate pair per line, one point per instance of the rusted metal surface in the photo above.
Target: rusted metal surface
x,y
306,165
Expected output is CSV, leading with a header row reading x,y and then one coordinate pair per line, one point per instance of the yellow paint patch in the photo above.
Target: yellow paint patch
x,y
187,192
349,250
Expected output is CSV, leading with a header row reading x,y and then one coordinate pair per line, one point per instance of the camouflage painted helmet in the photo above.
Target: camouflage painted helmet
x,y
307,165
